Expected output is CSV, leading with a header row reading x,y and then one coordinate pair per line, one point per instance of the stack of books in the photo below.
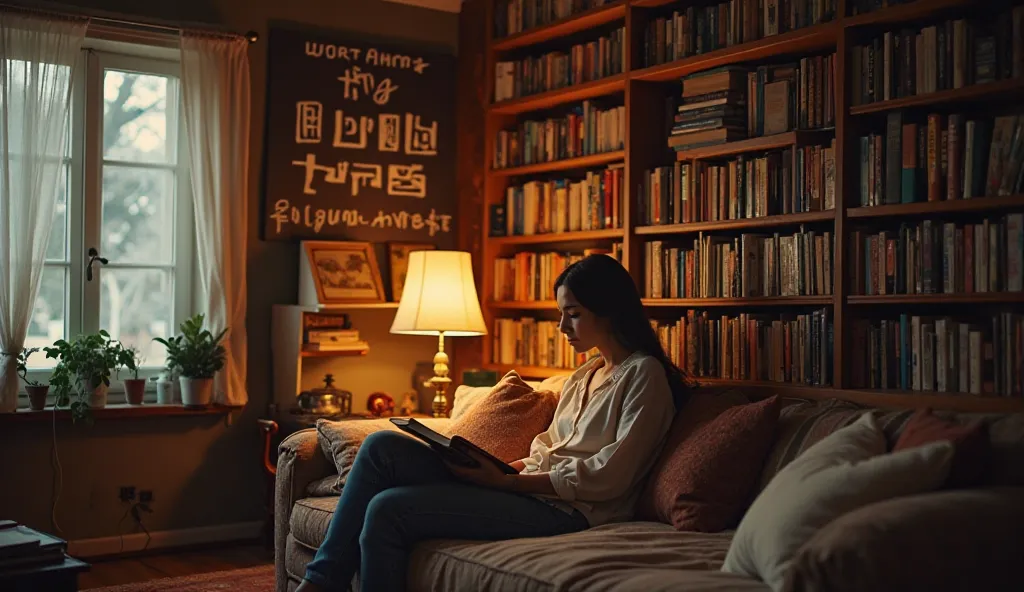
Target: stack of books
x,y
713,109
23,548
331,332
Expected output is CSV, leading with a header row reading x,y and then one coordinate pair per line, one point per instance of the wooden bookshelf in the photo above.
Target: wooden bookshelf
x,y
643,91
740,224
328,353
927,208
561,96
588,19
568,164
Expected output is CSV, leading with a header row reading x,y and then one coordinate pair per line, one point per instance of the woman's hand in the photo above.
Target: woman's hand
x,y
486,474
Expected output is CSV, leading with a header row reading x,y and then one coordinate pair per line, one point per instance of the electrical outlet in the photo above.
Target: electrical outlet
x,y
127,493
145,496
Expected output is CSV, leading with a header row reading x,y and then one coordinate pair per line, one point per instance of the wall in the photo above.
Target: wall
x,y
204,471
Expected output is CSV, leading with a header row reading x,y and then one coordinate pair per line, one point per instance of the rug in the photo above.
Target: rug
x,y
252,579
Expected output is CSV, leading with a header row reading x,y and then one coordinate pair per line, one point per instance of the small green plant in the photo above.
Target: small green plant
x,y
195,353
23,366
134,354
83,364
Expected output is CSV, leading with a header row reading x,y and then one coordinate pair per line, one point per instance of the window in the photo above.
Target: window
x,y
127,194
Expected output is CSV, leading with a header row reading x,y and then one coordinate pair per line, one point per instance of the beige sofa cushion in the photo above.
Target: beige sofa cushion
x,y
341,440
623,557
847,470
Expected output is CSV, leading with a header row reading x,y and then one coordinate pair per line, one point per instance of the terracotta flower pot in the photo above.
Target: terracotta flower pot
x,y
37,396
135,390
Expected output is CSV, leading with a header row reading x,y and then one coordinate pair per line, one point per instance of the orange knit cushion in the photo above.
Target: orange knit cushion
x,y
709,466
506,421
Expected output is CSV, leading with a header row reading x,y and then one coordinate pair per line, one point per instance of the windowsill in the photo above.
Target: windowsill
x,y
119,411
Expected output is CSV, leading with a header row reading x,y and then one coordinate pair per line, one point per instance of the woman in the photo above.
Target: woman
x,y
585,470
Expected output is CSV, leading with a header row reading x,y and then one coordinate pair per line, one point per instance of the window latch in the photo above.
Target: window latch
x,y
94,255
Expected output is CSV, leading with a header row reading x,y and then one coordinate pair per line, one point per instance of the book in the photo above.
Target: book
x,y
454,449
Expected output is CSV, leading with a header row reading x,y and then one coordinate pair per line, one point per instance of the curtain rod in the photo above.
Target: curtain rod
x,y
250,36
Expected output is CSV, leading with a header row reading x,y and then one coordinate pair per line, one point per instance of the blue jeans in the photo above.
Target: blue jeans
x,y
398,493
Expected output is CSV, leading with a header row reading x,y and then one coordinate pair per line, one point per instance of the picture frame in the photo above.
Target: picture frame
x,y
398,257
344,271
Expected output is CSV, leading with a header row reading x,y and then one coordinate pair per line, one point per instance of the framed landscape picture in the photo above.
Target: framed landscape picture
x,y
344,271
398,254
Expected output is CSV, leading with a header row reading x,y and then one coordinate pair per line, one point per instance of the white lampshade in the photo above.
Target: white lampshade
x,y
439,295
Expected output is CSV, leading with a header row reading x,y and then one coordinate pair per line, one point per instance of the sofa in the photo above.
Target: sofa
x,y
950,539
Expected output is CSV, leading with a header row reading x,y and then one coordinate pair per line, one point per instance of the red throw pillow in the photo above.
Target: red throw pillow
x,y
703,479
506,420
971,445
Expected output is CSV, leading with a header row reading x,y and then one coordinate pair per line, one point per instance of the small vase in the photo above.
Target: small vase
x,y
135,390
37,396
196,392
98,396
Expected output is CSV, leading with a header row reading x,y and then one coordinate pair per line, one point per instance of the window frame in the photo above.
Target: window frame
x,y
85,199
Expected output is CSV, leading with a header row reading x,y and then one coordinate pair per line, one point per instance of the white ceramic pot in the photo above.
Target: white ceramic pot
x,y
196,392
98,397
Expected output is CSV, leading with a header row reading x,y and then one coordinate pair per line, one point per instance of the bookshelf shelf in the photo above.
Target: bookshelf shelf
x,y
558,237
646,115
1010,88
316,353
926,208
794,138
741,224
901,13
576,23
972,298
568,164
524,304
806,40
733,302
561,96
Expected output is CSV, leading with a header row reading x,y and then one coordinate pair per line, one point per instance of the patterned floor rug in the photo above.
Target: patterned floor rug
x,y
253,579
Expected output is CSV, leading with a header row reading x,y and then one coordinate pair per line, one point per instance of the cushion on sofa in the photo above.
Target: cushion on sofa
x,y
941,541
507,419
972,448
706,472
340,440
844,471
620,557
468,396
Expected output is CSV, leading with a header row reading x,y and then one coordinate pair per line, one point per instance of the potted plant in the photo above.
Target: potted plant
x,y
83,369
197,355
134,387
36,390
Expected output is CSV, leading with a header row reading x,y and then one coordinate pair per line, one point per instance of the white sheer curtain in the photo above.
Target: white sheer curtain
x,y
38,56
215,94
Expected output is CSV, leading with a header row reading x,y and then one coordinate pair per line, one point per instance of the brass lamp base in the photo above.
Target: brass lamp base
x,y
440,381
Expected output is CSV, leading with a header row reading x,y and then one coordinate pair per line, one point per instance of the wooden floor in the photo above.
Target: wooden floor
x,y
168,565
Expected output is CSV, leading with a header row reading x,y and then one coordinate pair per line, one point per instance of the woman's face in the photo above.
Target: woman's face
x,y
581,327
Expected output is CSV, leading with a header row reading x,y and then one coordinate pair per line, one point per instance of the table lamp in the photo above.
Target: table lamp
x,y
439,298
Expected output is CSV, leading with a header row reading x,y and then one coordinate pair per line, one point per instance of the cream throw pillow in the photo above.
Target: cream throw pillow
x,y
844,471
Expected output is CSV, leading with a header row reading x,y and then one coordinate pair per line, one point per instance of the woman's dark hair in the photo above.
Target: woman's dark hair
x,y
604,287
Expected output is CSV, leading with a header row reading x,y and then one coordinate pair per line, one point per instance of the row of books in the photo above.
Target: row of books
x,y
790,348
936,257
980,356
531,342
943,157
751,265
586,129
858,7
583,62
733,102
530,277
694,30
562,205
947,55
516,16
778,182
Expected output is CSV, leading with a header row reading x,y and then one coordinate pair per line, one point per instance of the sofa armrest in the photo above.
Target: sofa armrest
x,y
300,461
948,540
341,439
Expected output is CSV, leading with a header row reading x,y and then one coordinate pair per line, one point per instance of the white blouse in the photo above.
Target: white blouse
x,y
598,455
